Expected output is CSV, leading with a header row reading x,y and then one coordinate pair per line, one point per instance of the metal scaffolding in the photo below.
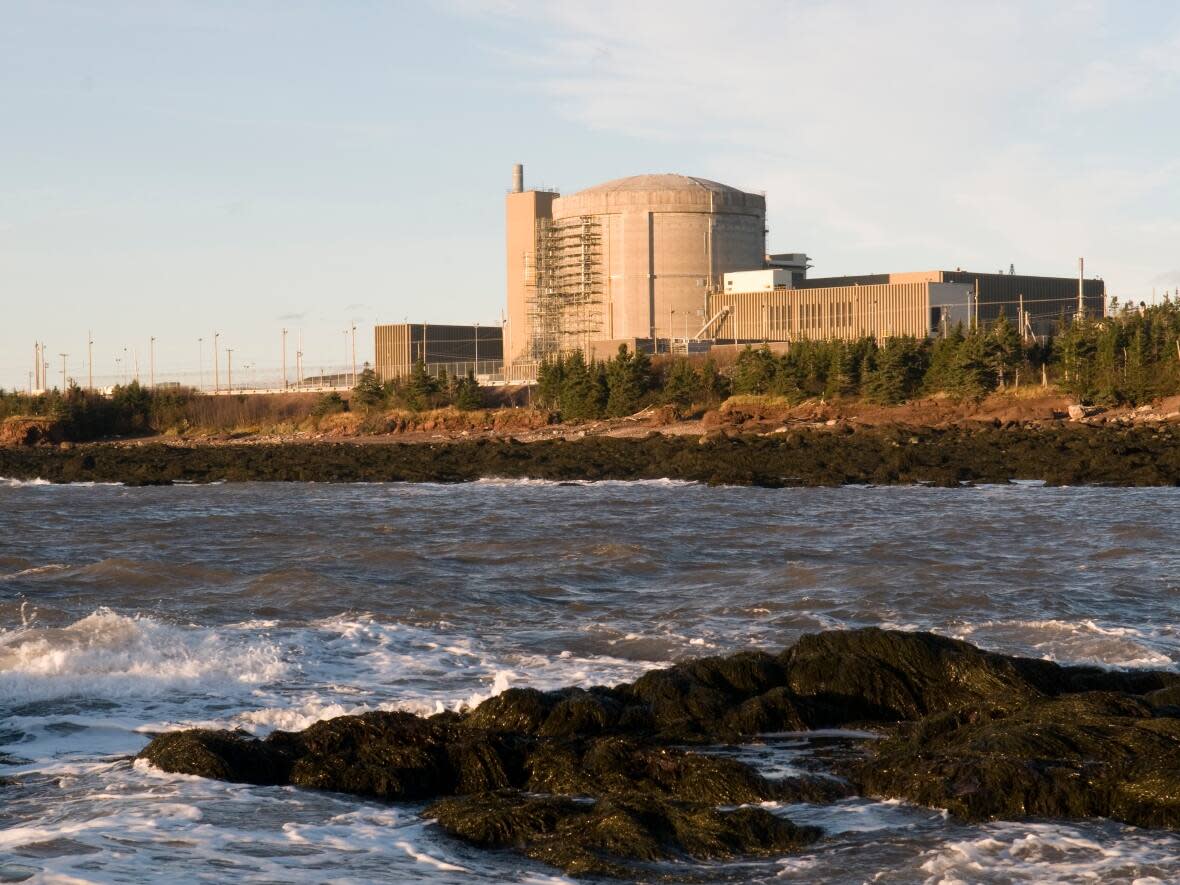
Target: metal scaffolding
x,y
565,307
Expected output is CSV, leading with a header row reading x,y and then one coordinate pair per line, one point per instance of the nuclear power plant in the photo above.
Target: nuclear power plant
x,y
674,263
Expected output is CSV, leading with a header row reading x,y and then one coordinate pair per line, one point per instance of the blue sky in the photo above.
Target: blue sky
x,y
174,168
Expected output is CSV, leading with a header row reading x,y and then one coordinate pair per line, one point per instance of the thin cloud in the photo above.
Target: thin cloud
x,y
883,141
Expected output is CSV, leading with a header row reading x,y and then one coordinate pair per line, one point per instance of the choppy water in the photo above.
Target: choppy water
x,y
126,611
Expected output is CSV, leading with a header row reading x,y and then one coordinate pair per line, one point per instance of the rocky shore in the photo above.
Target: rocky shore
x,y
604,781
1061,455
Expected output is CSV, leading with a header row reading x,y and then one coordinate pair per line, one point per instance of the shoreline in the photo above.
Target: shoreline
x,y
813,456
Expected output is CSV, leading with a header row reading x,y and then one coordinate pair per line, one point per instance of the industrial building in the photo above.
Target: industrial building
x,y
674,262
634,258
454,350
743,314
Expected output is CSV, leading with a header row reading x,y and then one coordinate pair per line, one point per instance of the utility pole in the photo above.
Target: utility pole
x,y
90,361
125,365
284,359
216,364
153,369
63,371
36,365
229,369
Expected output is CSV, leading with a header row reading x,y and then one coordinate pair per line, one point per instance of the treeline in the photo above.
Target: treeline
x,y
417,391
132,409
1129,358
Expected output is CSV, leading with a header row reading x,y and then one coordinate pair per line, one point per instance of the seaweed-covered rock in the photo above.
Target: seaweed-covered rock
x,y
694,699
609,783
220,755
885,676
620,766
607,836
1086,755
388,755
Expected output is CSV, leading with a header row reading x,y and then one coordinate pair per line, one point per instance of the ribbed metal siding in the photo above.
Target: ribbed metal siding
x,y
842,312
1045,298
398,347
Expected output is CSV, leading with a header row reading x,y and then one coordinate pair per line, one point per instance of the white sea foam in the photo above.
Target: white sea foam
x,y
110,655
6,482
596,483
1084,641
1053,853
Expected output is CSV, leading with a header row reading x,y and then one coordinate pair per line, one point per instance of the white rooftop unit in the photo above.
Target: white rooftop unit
x,y
756,280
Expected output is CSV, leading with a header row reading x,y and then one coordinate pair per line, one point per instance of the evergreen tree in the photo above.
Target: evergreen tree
x,y
754,371
582,396
942,376
1004,350
550,376
971,376
466,395
682,385
369,392
839,381
901,365
628,378
421,388
714,386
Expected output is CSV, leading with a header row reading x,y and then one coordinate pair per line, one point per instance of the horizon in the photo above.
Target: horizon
x,y
183,171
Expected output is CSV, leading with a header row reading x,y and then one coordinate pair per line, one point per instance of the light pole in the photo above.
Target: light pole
x,y
299,361
153,362
90,361
216,364
229,369
284,359
477,348
125,364
200,363
354,354
63,371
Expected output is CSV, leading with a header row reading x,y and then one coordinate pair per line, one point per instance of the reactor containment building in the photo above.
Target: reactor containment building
x,y
630,259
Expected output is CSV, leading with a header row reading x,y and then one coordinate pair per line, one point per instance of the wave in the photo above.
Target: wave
x,y
1045,852
1083,641
598,483
8,482
109,655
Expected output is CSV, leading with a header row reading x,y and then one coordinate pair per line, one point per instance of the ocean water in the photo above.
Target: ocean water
x,y
127,611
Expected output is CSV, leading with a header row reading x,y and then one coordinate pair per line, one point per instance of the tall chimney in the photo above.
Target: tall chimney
x,y
517,178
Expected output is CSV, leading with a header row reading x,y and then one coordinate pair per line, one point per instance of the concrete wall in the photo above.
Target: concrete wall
x,y
522,211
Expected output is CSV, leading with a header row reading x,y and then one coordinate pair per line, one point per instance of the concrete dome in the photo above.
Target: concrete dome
x,y
660,182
